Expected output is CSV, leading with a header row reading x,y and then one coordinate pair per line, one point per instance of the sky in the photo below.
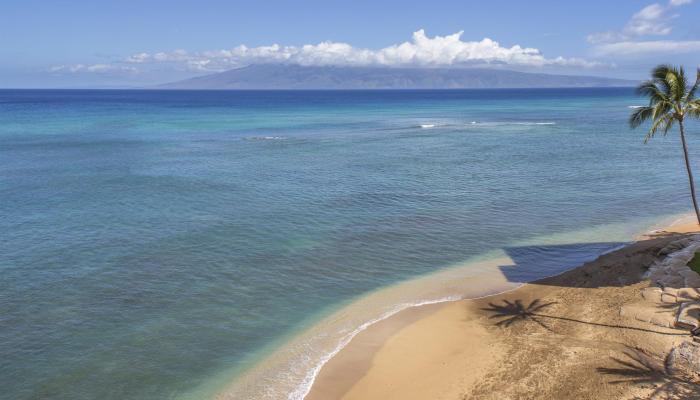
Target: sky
x,y
100,43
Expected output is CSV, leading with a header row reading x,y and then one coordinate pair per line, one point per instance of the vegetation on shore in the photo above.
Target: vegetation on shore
x,y
671,101
694,263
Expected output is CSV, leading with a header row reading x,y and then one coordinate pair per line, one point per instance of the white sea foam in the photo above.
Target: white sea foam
x,y
505,123
438,287
291,370
265,138
527,123
305,386
484,123
634,107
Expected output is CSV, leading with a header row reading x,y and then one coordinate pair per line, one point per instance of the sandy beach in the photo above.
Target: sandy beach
x,y
558,338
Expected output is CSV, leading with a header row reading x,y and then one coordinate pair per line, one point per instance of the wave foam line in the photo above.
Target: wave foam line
x,y
525,123
305,386
486,123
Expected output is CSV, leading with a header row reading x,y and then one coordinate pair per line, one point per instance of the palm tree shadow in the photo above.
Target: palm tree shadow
x,y
641,369
638,368
515,312
512,312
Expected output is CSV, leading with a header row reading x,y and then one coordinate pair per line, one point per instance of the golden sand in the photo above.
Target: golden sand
x,y
569,348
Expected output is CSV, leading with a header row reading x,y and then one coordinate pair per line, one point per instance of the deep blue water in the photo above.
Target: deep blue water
x,y
152,240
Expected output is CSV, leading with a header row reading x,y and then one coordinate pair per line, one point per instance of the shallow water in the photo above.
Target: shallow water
x,y
159,244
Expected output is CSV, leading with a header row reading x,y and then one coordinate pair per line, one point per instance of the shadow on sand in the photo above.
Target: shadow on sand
x,y
536,262
512,312
641,369
635,367
541,261
632,366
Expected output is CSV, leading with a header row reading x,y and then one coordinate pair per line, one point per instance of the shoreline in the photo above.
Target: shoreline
x,y
430,289
374,361
402,292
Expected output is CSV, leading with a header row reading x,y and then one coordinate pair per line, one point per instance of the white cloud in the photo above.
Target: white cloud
x,y
421,51
138,58
94,68
628,48
677,3
605,37
652,20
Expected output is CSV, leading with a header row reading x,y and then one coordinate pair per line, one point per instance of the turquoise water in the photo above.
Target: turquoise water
x,y
158,244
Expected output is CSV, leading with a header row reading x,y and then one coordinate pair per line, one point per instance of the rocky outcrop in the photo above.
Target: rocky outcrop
x,y
684,359
672,270
673,300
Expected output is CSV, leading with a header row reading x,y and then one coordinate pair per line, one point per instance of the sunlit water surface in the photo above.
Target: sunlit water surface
x,y
158,245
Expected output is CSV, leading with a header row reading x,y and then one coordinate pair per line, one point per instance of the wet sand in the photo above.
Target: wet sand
x,y
566,347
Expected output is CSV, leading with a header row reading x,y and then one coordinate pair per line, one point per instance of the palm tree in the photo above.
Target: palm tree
x,y
670,102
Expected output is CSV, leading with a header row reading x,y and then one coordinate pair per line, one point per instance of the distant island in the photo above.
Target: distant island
x,y
284,76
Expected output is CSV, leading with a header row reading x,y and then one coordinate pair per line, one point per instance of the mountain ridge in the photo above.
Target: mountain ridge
x,y
285,76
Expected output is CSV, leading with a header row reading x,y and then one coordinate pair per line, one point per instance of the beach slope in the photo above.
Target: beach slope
x,y
558,338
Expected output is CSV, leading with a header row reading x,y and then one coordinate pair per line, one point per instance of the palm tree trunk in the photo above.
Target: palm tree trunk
x,y
690,172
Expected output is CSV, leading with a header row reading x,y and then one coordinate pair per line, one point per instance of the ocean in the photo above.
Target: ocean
x,y
189,244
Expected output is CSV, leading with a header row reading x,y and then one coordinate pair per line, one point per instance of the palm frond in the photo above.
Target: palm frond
x,y
682,84
690,96
675,77
670,100
661,109
659,75
641,115
664,123
692,108
651,90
